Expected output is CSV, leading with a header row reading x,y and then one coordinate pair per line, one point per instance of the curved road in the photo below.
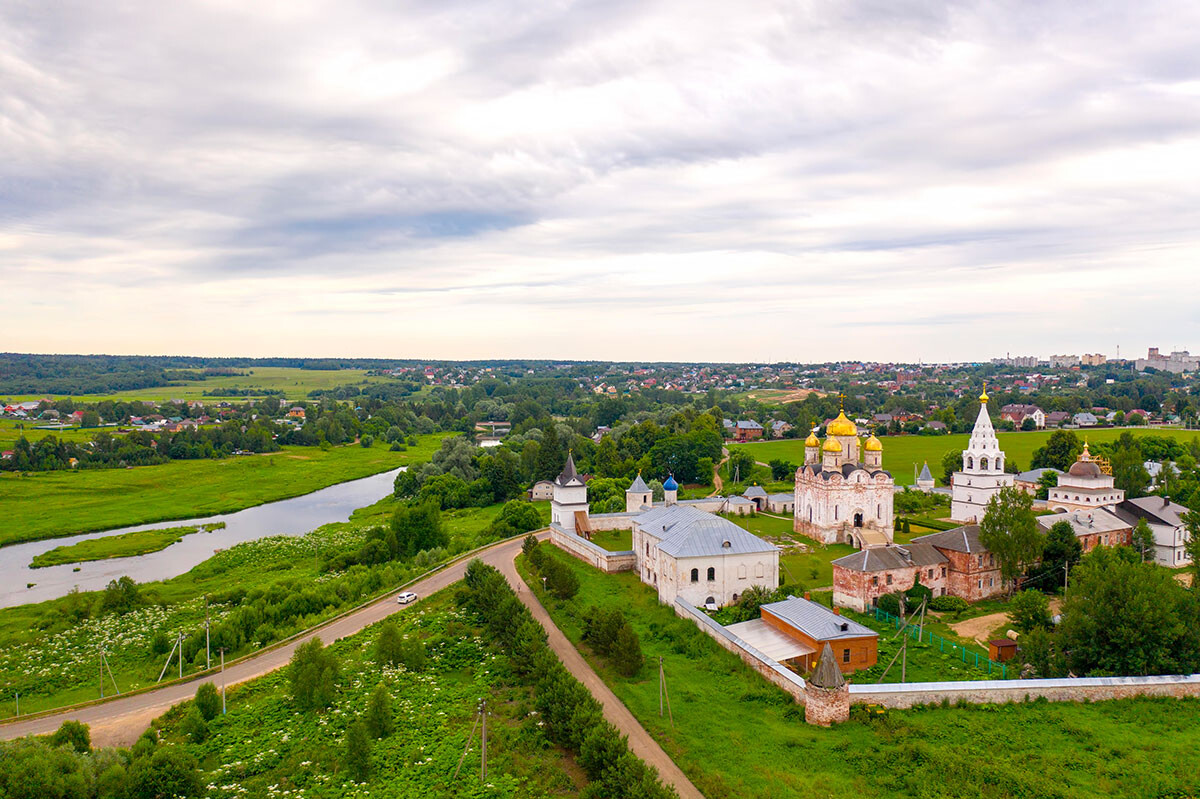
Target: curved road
x,y
119,722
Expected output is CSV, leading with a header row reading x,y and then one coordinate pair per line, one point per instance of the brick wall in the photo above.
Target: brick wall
x,y
824,707
858,590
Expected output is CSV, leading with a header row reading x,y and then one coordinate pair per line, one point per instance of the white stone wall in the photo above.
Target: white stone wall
x,y
971,492
733,574
825,509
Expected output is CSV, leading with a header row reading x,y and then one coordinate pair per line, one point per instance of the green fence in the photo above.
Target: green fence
x,y
981,662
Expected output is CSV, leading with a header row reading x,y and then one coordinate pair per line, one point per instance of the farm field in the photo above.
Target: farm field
x,y
47,650
266,746
126,545
11,430
40,505
294,382
737,736
902,453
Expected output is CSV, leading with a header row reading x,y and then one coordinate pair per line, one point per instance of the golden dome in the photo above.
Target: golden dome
x,y
812,440
832,445
874,444
984,397
841,426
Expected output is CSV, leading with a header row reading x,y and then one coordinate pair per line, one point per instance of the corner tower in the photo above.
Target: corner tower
x,y
570,496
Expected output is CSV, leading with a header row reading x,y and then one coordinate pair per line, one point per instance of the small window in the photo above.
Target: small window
x,y
979,584
930,574
712,573
943,571
695,575
889,579
845,655
875,580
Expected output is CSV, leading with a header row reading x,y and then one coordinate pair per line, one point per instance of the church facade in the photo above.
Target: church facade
x,y
843,494
983,474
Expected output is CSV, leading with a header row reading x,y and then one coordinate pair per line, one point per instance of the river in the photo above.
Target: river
x,y
294,516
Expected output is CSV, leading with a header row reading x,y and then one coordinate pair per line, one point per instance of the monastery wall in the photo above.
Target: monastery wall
x,y
590,553
1083,689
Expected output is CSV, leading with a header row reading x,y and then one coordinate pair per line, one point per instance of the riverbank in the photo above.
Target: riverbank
x,y
40,505
128,545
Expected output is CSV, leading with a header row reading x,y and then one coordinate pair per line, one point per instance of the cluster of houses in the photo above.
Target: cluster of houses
x,y
743,430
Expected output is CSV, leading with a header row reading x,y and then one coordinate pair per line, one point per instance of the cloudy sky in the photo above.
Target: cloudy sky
x,y
614,179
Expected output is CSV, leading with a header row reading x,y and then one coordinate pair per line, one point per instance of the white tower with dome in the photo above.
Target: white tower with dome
x,y
983,474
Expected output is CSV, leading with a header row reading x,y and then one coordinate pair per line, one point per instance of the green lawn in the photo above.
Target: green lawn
x,y
266,746
902,453
736,736
614,540
41,505
804,563
125,545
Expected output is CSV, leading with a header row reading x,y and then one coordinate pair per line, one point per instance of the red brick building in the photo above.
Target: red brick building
x,y
861,578
973,572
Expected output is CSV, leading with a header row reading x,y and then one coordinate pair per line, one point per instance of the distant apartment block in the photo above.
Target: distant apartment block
x,y
1177,362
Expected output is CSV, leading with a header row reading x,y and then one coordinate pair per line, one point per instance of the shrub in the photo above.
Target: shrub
x,y
948,604
208,701
1029,610
194,726
561,581
889,603
170,771
358,751
379,717
916,595
627,652
74,734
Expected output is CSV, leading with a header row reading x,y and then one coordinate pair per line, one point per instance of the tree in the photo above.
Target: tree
x,y
561,580
951,463
1047,481
627,652
1040,651
74,734
389,645
1028,424
1127,470
1191,525
782,470
366,440
313,673
1061,551
1009,531
208,701
550,458
1059,452
418,527
380,718
517,516
194,726
1029,610
89,419
121,595
358,751
169,772
1143,540
740,466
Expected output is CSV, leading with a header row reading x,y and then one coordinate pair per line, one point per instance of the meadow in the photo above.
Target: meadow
x,y
11,430
48,650
901,454
266,746
39,505
735,735
293,382
138,542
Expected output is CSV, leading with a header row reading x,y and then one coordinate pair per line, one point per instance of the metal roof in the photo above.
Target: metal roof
x,y
1086,522
960,539
686,532
638,486
879,559
817,621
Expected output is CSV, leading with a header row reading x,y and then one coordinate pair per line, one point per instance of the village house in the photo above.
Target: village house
x,y
1163,517
747,430
1057,418
542,490
1017,413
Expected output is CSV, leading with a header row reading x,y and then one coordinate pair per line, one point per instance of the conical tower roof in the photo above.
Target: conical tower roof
x,y
569,476
638,486
925,474
827,674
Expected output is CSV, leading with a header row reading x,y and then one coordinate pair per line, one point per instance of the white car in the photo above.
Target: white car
x,y
406,597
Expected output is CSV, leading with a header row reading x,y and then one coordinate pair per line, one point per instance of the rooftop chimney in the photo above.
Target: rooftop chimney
x,y
837,611
808,596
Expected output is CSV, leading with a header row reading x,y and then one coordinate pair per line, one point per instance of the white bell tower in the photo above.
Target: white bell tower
x,y
982,475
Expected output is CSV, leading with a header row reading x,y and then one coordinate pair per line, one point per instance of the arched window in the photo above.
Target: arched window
x,y
879,511
983,463
970,462
712,573
695,575
810,513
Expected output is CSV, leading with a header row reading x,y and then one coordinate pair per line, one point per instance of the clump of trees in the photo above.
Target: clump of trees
x,y
609,634
560,579
394,649
1009,530
313,675
573,718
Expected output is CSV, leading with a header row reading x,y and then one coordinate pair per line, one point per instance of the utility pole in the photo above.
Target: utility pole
x,y
101,659
222,681
207,648
180,640
18,698
483,759
1067,571
662,685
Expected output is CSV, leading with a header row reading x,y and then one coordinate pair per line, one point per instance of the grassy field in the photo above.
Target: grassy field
x,y
11,430
902,453
48,655
126,545
614,540
41,505
738,737
804,564
265,746
295,383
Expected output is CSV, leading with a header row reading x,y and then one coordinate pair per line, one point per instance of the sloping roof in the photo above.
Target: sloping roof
x,y
1033,475
687,532
754,491
1156,510
926,476
1086,522
817,621
782,497
880,559
638,486
827,675
749,425
569,477
960,539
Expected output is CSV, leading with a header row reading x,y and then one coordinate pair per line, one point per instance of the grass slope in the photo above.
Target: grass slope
x,y
42,505
902,453
266,746
139,542
736,736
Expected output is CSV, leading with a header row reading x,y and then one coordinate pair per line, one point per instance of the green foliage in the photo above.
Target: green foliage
x,y
1009,531
358,751
740,465
1061,449
208,701
1040,651
626,652
889,603
1143,540
313,674
74,734
782,470
194,726
948,604
917,594
951,463
120,596
169,772
516,517
418,527
1029,610
380,715
1060,551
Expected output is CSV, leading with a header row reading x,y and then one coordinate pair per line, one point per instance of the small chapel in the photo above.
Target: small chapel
x,y
843,494
982,474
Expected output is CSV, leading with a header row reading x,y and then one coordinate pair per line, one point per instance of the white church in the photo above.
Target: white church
x,y
983,474
681,548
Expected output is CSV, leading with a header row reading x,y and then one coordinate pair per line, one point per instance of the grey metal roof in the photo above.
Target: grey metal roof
x,y
638,486
879,559
782,497
687,532
1157,510
1033,475
754,491
960,539
925,473
817,621
1086,522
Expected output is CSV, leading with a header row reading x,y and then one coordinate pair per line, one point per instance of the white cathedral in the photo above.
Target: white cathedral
x,y
983,474
840,497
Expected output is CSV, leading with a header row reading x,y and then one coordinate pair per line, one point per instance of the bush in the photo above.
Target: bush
x,y
948,604
1029,610
561,581
208,701
194,726
889,603
74,734
313,674
627,652
358,751
170,771
600,628
367,440
916,595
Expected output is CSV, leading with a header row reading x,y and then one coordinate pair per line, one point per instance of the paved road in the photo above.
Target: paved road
x,y
119,722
